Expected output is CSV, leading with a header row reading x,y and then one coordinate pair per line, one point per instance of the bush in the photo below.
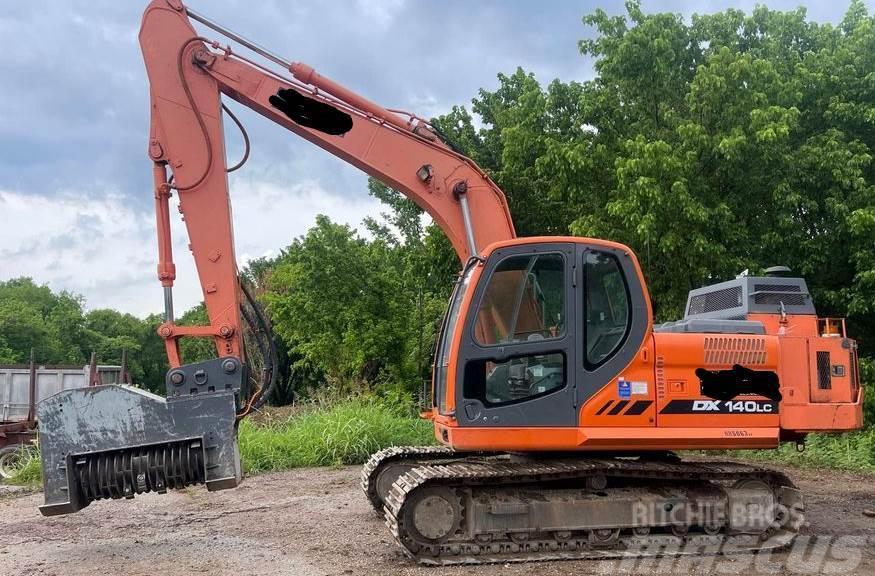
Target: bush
x,y
853,451
347,432
867,377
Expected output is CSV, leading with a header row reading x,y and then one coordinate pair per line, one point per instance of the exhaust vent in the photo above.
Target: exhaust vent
x,y
725,299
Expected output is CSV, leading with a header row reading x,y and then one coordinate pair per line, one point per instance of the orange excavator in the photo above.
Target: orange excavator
x,y
558,404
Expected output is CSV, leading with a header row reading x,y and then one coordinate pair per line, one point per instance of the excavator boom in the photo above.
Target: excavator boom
x,y
188,73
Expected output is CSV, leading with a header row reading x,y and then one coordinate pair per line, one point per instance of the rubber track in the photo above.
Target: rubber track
x,y
497,472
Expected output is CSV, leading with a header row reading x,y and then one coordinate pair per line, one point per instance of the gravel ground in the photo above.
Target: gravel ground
x,y
317,522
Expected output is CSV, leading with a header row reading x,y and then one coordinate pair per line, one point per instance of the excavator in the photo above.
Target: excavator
x,y
558,406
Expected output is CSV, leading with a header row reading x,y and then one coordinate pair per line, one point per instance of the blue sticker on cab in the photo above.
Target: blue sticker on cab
x,y
624,388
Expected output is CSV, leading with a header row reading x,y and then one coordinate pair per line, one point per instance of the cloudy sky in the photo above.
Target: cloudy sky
x,y
75,182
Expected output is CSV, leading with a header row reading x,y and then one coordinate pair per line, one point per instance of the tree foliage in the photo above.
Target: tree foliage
x,y
725,143
55,326
32,316
355,306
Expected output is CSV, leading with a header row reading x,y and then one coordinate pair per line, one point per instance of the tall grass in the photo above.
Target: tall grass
x,y
853,451
28,471
346,432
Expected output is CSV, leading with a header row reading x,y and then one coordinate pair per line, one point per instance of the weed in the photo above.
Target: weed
x,y
852,451
324,434
28,470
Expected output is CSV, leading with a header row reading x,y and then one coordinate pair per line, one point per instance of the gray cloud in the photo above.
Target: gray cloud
x,y
73,109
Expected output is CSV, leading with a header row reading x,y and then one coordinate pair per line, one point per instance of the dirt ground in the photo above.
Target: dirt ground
x,y
317,522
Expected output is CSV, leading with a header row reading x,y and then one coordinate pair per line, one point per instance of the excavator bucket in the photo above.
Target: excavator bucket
x,y
117,441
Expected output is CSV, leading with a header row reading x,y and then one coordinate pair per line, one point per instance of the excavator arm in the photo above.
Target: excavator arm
x,y
188,74
113,441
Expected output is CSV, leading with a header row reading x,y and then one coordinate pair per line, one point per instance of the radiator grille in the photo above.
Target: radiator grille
x,y
727,351
824,378
778,297
774,294
777,288
715,301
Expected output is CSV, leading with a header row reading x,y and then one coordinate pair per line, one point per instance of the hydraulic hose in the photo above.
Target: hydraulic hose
x,y
267,348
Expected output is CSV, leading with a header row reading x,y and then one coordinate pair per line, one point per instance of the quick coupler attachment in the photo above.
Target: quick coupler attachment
x,y
109,442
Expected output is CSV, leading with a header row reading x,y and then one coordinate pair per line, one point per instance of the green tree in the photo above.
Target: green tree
x,y
108,333
32,316
521,122
726,142
151,356
348,305
748,146
55,326
196,349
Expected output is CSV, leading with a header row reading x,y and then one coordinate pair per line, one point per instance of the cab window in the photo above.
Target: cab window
x,y
606,306
445,341
524,301
518,379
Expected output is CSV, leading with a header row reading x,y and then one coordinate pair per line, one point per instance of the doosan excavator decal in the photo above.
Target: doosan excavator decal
x,y
720,407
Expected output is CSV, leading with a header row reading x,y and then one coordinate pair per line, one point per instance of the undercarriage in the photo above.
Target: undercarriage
x,y
448,508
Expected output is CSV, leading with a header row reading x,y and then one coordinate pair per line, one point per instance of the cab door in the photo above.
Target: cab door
x,y
518,355
613,322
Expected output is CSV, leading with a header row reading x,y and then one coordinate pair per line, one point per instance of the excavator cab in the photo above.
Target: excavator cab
x,y
535,328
